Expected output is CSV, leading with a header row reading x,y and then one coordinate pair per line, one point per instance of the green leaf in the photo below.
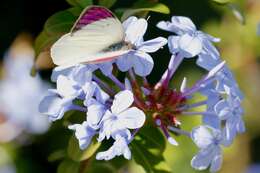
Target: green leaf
x,y
101,167
57,25
76,154
107,3
147,149
61,22
68,166
154,7
44,41
57,155
221,1
80,3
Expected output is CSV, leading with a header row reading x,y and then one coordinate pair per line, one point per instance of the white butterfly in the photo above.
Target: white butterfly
x,y
97,36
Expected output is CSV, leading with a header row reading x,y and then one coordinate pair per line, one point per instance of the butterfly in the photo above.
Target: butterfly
x,y
97,36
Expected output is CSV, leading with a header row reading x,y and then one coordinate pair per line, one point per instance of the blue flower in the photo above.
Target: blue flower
x,y
20,94
231,111
59,100
84,133
120,147
95,113
138,58
189,41
121,117
210,154
54,105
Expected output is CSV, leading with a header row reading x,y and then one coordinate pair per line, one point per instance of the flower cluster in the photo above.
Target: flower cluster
x,y
20,95
120,114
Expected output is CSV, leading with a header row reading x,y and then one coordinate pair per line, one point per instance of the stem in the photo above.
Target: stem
x,y
133,135
179,131
116,81
198,113
108,89
186,107
198,86
174,63
78,108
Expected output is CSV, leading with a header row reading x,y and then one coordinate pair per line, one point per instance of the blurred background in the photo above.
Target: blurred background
x,y
28,152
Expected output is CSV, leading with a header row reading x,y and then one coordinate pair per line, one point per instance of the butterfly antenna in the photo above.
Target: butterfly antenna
x,y
148,17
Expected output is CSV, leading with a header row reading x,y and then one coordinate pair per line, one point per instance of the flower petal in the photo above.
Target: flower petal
x,y
202,137
202,160
153,45
129,21
143,63
165,25
122,101
190,46
136,30
95,113
216,162
66,87
173,44
83,133
131,118
50,104
182,24
125,62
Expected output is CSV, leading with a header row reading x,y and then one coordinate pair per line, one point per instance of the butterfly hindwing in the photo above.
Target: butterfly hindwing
x,y
95,30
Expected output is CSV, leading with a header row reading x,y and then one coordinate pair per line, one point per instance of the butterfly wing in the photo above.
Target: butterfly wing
x,y
95,31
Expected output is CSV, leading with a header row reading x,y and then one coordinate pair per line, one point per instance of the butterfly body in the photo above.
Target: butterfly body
x,y
97,36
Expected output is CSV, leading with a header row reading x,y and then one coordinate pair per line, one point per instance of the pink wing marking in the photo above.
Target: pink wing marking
x,y
90,15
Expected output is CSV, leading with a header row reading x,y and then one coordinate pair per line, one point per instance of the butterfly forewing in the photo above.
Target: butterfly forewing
x,y
95,31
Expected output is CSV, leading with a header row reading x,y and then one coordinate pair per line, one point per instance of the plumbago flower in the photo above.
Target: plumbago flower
x,y
20,95
118,113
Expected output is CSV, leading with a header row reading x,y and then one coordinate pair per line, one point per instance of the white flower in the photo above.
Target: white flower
x,y
138,58
120,147
231,111
121,117
84,133
210,153
190,42
20,95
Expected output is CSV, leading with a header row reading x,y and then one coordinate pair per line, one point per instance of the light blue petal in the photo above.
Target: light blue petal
x,y
143,63
66,87
83,133
95,114
129,21
136,30
202,160
202,137
216,161
106,68
153,45
131,118
101,95
50,104
122,101
125,62
173,44
60,70
118,148
189,45
182,24
206,61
